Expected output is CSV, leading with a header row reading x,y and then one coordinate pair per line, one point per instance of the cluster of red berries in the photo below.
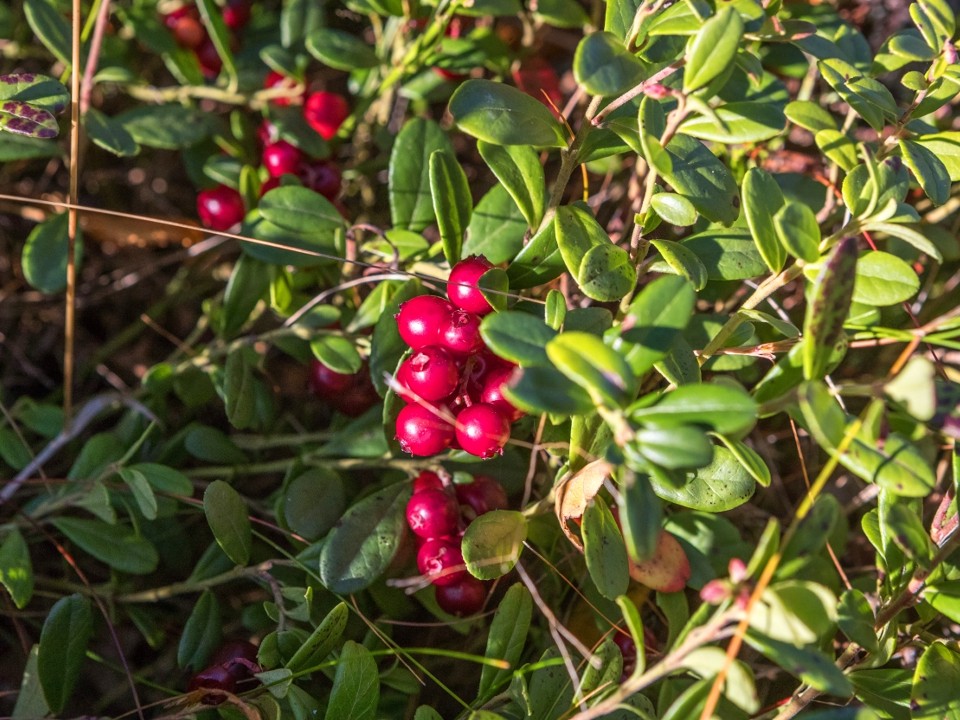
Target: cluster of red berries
x,y
452,384
189,32
352,394
438,518
234,663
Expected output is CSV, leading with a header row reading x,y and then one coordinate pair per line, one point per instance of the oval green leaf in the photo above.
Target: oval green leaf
x,y
63,645
504,115
228,518
492,543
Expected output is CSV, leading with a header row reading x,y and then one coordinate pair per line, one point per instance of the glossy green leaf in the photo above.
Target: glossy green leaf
x,y
594,366
946,147
19,147
855,618
168,127
165,479
806,663
208,443
63,645
654,320
722,408
201,633
738,122
504,115
545,389
915,233
604,551
302,514
301,210
338,353
45,252
408,180
762,200
248,284
38,90
740,688
320,243
116,545
641,516
838,147
229,520
928,169
16,570
796,612
356,685
239,388
887,690
606,273
796,226
810,116
619,16
52,29
697,174
722,485
452,203
682,447
141,490
519,171
362,545
507,637
322,641
577,233
652,124
517,336
561,13
883,279
340,50
828,307
492,543
603,66
555,310
867,97
683,261
935,682
30,700
749,459
675,209
496,228
935,20
712,49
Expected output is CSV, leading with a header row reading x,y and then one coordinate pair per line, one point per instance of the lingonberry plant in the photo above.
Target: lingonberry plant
x,y
495,359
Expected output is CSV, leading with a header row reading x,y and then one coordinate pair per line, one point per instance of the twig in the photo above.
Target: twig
x,y
93,57
637,90
70,318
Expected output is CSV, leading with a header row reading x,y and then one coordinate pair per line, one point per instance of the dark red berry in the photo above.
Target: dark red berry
x,y
430,373
215,677
628,649
171,18
220,208
236,14
278,80
432,513
492,392
481,496
482,430
325,112
269,184
460,334
239,658
462,287
325,383
462,598
421,432
321,176
421,318
281,157
359,397
440,561
209,58
427,480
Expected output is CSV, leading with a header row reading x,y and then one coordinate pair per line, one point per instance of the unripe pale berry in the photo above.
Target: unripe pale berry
x,y
482,430
421,432
432,513
462,286
421,318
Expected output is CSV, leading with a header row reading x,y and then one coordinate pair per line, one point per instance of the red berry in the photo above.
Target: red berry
x,y
171,18
267,133
321,176
278,80
432,513
430,373
440,560
492,392
427,480
325,112
209,58
421,318
269,184
628,649
462,287
536,77
187,31
281,157
215,677
239,658
463,598
449,75
482,495
460,334
236,14
359,397
421,432
327,384
220,208
482,430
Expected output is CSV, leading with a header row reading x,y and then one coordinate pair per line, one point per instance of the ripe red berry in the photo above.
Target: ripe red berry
x,y
481,496
430,373
327,384
463,598
215,677
462,287
460,334
432,513
421,318
187,30
628,649
421,432
325,112
359,397
492,392
269,184
239,658
440,561
236,14
321,176
209,58
267,133
281,157
220,208
427,480
482,430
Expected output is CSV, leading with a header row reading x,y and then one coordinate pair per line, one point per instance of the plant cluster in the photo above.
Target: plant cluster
x,y
679,278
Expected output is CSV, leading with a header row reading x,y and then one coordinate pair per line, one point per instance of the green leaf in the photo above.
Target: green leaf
x,y
796,226
248,284
508,634
210,444
652,124
341,50
828,307
655,319
361,546
545,389
885,690
606,273
739,687
52,29
300,511
338,353
30,703
16,570
504,115
496,227
517,336
322,641
935,681
495,286
683,261
116,545
356,685
165,479
928,169
452,203
63,645
18,147
750,121
577,233
301,210
838,147
762,200
722,408
220,35
238,388
811,666
411,202
682,447
141,490
492,543
22,118
201,634
796,612
168,127
867,97
561,13
539,261
697,174
810,116
603,66
604,551
641,515
749,459
229,520
595,367
856,620
912,233
620,15
883,279
935,20
946,147
45,254
712,49
519,171
675,209
722,485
